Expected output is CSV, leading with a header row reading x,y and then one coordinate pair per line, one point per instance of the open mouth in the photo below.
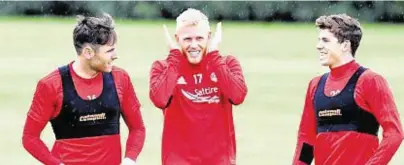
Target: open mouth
x,y
194,53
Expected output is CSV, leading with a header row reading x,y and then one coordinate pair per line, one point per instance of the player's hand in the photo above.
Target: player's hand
x,y
128,161
171,44
216,39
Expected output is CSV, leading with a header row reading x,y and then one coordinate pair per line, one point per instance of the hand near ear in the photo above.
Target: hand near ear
x,y
171,44
217,38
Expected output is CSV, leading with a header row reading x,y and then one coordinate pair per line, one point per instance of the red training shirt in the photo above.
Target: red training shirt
x,y
100,150
197,104
372,94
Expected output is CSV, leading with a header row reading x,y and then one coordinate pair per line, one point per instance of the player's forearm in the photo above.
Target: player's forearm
x,y
35,146
39,151
162,87
135,143
233,84
230,78
387,148
382,105
304,152
134,120
163,79
392,138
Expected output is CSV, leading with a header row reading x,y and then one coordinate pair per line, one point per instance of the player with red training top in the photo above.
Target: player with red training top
x,y
83,101
345,107
196,87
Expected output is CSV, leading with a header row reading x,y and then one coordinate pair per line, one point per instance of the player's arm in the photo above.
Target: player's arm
x,y
227,69
133,118
163,79
41,111
307,131
230,77
381,102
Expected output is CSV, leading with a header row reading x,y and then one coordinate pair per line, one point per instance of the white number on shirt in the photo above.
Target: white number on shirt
x,y
198,78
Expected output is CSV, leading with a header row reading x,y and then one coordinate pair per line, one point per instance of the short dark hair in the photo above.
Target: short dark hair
x,y
95,31
343,27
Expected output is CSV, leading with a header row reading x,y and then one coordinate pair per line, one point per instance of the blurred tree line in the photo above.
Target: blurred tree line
x,y
373,11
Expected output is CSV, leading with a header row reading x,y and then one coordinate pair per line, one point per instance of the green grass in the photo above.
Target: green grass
x,y
278,61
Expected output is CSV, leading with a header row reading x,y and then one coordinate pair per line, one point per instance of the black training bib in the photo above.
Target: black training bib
x,y
80,118
340,112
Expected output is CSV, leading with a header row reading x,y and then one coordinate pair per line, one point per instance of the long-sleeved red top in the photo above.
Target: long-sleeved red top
x,y
46,105
197,104
373,95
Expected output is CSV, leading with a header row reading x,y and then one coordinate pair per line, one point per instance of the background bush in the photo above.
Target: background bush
x,y
381,11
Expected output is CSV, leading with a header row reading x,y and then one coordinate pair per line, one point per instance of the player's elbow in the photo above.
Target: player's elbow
x,y
27,141
400,140
401,137
239,99
155,99
141,129
397,138
24,143
158,101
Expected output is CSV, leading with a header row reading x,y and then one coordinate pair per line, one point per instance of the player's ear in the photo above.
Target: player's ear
x,y
177,38
209,35
88,52
346,46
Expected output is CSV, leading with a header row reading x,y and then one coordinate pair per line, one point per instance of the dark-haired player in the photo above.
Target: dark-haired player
x,y
345,107
83,101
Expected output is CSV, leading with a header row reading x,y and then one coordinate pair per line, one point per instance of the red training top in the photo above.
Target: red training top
x,y
99,150
197,102
372,94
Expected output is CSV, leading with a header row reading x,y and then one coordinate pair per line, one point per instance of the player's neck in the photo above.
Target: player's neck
x,y
83,70
347,58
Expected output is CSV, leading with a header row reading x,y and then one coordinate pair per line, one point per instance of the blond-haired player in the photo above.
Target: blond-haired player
x,y
196,87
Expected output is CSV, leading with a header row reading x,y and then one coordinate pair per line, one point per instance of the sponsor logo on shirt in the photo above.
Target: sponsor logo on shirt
x,y
329,113
93,117
203,95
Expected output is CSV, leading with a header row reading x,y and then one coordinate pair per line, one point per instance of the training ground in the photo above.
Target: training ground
x,y
278,61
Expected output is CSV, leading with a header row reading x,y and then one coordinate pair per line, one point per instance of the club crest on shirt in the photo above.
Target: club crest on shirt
x,y
334,93
91,97
213,77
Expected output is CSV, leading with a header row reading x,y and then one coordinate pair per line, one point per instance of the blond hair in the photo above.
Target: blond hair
x,y
192,17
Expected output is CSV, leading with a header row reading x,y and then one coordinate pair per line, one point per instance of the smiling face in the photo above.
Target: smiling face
x,y
102,59
338,39
330,49
193,34
95,40
193,41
